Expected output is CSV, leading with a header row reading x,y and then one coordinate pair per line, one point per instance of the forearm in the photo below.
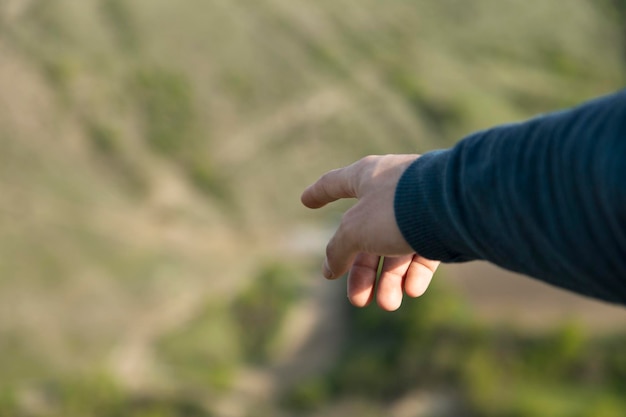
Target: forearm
x,y
546,198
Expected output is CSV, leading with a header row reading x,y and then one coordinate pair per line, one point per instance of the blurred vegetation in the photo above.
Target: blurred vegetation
x,y
260,309
151,155
435,344
92,395
210,339
122,25
167,111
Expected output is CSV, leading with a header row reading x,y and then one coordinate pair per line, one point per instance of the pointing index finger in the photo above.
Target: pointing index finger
x,y
332,186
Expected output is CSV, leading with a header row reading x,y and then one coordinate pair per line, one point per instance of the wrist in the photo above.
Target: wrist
x,y
422,207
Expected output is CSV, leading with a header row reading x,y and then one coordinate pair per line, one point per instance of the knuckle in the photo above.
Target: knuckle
x,y
366,160
371,158
366,163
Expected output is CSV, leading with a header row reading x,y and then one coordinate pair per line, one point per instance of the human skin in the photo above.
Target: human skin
x,y
368,230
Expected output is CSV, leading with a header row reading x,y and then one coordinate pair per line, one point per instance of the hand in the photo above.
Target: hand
x,y
368,231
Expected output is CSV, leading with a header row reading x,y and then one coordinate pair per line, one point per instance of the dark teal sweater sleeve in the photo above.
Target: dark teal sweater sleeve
x,y
546,198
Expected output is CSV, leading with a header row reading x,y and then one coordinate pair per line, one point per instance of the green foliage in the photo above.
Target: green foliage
x,y
556,355
308,395
433,342
260,309
390,353
103,138
8,403
614,361
85,395
97,395
120,21
167,111
47,18
440,114
204,178
105,142
618,9
205,351
59,72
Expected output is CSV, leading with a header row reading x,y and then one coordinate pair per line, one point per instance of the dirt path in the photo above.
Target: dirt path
x,y
497,296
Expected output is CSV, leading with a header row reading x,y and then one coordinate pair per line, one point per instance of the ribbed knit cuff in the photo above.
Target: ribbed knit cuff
x,y
422,209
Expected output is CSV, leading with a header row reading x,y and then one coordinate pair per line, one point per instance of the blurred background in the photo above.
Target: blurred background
x,y
155,259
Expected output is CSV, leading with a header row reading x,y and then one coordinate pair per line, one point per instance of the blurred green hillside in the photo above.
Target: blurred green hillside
x,y
154,258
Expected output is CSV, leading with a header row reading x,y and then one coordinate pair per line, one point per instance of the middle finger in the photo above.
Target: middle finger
x,y
390,284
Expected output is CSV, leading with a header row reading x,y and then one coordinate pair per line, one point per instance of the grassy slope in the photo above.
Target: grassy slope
x,y
145,146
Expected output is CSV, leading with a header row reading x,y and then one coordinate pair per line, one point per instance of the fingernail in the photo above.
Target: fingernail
x,y
328,274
